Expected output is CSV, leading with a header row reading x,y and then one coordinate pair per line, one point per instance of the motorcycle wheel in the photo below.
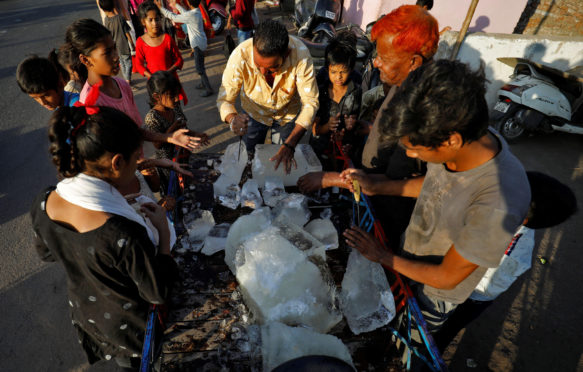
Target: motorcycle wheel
x,y
510,128
217,21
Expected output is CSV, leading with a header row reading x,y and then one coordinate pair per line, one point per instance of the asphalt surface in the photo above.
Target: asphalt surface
x,y
535,326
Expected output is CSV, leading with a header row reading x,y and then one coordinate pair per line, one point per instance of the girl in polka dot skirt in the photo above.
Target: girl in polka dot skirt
x,y
116,266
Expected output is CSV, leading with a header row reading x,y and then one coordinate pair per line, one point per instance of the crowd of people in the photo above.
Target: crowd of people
x,y
455,202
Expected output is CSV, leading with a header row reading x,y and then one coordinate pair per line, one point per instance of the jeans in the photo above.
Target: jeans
x,y
257,132
125,62
244,35
198,60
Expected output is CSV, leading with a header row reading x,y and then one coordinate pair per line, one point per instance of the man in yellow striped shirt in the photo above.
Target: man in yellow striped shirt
x,y
275,75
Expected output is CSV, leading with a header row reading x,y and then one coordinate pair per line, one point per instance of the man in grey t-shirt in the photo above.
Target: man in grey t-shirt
x,y
472,199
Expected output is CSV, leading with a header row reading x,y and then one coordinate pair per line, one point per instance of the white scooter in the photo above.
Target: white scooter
x,y
539,98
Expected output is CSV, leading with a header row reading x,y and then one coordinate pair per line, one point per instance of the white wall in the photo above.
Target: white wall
x,y
559,52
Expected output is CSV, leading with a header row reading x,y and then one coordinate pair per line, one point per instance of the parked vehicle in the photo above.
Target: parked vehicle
x,y
538,98
217,11
317,19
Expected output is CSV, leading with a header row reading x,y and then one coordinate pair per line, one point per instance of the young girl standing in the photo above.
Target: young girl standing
x,y
116,264
156,50
99,61
166,116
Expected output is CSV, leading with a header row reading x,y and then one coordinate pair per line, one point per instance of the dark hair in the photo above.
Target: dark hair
x,y
147,6
271,39
106,5
163,82
427,3
82,37
36,75
73,145
61,70
341,50
194,3
67,57
436,100
552,202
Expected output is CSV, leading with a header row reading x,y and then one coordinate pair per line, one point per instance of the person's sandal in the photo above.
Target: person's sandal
x,y
207,93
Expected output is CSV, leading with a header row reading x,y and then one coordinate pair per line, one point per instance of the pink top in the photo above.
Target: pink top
x,y
124,104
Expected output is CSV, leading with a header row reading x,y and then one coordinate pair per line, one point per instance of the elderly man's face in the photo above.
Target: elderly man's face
x,y
393,64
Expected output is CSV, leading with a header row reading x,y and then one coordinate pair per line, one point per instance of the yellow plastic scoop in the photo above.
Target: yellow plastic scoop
x,y
356,187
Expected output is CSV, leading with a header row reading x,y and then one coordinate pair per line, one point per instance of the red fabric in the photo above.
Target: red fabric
x,y
161,57
206,21
242,13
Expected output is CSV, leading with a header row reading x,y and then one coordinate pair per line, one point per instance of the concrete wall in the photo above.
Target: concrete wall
x,y
498,16
563,53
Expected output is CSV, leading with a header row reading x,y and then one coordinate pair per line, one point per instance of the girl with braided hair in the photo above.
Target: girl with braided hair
x,y
116,263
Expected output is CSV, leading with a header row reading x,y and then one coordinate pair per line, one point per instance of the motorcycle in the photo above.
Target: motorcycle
x,y
217,11
538,98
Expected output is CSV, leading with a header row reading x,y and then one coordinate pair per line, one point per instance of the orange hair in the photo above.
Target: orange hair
x,y
415,30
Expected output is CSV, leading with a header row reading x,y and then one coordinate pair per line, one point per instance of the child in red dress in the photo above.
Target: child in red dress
x,y
156,50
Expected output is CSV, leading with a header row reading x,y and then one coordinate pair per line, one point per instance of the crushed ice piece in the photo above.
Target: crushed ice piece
x,y
366,298
243,228
273,191
198,224
293,208
227,190
216,239
210,163
279,283
281,343
326,213
234,160
324,231
250,196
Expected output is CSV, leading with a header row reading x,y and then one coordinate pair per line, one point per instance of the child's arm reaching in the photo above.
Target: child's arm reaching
x,y
181,137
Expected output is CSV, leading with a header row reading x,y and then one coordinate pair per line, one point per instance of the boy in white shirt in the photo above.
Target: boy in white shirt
x,y
192,18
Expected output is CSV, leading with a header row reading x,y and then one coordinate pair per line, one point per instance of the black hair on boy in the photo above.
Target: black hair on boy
x,y
552,202
106,5
435,101
341,50
194,3
37,75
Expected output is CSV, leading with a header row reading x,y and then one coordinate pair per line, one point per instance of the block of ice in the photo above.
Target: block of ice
x,y
243,228
227,190
262,167
273,191
226,187
324,231
292,208
281,343
366,298
279,283
300,238
198,224
216,239
250,196
234,160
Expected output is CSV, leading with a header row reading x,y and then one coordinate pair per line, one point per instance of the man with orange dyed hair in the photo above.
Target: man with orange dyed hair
x,y
406,38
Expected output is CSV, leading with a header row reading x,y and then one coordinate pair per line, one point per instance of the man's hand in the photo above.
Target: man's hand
x,y
365,181
240,124
310,182
285,155
182,139
367,245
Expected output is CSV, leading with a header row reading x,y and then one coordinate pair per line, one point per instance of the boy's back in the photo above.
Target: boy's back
x,y
118,28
